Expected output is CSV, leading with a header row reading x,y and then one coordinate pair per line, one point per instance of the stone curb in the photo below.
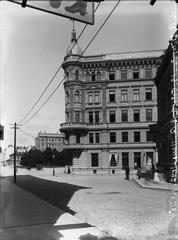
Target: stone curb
x,y
156,185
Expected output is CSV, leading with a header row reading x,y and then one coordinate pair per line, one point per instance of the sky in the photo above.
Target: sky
x,y
33,45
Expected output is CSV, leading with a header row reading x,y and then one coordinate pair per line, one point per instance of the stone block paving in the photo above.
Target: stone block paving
x,y
116,206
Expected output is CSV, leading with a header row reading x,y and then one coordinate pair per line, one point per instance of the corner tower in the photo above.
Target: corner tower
x,y
74,127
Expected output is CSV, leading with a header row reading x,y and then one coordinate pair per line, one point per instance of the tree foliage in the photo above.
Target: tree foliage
x,y
49,157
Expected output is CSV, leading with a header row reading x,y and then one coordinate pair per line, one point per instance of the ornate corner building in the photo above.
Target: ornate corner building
x,y
110,102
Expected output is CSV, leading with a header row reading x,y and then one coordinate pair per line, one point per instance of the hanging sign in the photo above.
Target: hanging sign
x,y
82,11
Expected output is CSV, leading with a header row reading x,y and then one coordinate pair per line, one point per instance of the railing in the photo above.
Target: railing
x,y
74,125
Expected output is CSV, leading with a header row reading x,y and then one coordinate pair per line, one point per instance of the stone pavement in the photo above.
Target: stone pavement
x,y
25,216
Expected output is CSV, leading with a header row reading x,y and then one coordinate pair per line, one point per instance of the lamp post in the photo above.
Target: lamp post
x,y
53,165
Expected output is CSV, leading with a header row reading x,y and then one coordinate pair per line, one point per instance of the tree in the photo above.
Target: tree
x,y
32,158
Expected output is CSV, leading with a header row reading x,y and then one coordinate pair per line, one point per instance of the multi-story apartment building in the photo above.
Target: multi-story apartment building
x,y
49,140
110,102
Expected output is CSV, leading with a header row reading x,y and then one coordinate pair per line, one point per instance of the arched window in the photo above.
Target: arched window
x,y
76,75
67,75
87,76
98,76
93,76
77,95
67,96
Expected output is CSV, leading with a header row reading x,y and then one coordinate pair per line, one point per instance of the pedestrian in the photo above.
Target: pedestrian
x,y
139,173
68,170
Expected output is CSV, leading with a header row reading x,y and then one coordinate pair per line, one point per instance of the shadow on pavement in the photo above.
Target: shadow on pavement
x,y
36,222
55,193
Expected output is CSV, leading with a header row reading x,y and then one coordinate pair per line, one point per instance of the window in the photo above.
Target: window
x,y
148,94
136,136
113,162
67,75
77,116
96,117
90,117
124,136
77,96
135,74
112,116
94,159
96,97
111,76
112,96
148,136
78,138
76,75
124,115
90,98
149,158
98,76
123,74
112,137
125,160
124,96
97,137
137,160
93,76
136,115
90,137
67,117
148,73
136,94
148,115
87,76
67,97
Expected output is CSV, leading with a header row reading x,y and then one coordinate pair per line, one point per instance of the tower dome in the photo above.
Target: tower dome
x,y
73,48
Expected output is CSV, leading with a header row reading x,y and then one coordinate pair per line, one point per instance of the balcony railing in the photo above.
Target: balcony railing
x,y
73,126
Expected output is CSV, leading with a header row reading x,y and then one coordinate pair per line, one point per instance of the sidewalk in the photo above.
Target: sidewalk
x,y
151,184
25,216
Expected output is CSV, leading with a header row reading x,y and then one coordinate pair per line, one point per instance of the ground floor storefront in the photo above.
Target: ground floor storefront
x,y
114,160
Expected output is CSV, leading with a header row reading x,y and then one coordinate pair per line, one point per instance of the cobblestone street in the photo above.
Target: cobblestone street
x,y
116,206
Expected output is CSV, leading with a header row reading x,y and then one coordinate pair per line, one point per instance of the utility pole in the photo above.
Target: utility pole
x,y
15,152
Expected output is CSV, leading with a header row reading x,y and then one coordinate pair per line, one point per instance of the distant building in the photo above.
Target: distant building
x,y
49,140
110,102
163,132
10,161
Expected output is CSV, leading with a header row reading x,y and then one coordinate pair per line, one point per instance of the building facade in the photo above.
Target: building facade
x,y
165,131
111,100
10,161
49,140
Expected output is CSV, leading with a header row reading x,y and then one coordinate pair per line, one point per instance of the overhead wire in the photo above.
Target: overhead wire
x,y
45,43
77,60
55,74
26,133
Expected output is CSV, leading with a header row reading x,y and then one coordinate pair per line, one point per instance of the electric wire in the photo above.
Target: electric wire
x,y
26,133
77,60
55,74
45,44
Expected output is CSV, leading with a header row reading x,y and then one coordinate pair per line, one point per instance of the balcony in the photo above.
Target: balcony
x,y
72,126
